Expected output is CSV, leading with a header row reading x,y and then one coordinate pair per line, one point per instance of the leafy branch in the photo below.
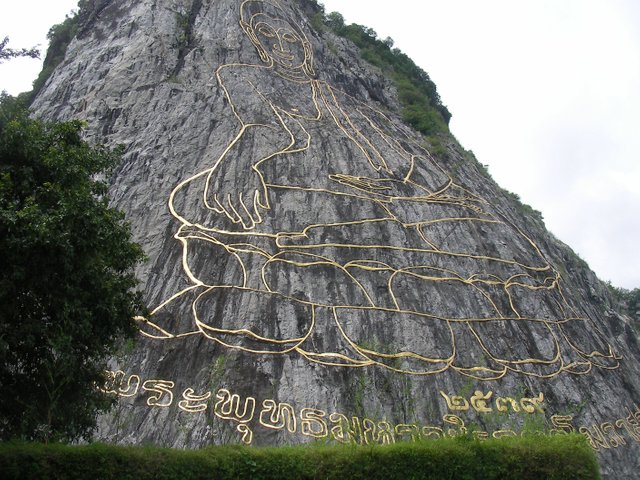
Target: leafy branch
x,y
8,53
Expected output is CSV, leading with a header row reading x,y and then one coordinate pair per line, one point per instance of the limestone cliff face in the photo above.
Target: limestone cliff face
x,y
314,270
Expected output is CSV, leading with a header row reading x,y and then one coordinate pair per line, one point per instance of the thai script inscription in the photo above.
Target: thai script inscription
x,y
481,403
247,413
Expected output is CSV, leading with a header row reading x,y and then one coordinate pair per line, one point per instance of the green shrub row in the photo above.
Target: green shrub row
x,y
533,457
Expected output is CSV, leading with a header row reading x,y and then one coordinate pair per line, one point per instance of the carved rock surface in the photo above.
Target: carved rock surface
x,y
314,270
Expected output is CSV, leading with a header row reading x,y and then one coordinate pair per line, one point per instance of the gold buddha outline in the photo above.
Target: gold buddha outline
x,y
286,53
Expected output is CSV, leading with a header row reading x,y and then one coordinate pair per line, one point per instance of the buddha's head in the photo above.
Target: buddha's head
x,y
279,40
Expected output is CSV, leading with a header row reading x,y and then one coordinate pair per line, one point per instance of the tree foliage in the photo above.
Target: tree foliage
x,y
628,300
422,107
59,36
66,285
6,53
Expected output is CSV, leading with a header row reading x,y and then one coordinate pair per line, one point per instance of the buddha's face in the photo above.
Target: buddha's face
x,y
279,40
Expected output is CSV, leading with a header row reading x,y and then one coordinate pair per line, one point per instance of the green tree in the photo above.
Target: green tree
x,y
67,288
7,53
59,36
628,300
422,107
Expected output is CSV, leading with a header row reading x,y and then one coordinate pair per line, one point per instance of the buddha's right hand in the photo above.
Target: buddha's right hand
x,y
239,195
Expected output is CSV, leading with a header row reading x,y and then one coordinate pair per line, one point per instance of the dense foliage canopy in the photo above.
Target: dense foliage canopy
x,y
66,286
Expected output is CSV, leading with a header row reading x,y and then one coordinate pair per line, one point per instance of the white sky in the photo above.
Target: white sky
x,y
545,92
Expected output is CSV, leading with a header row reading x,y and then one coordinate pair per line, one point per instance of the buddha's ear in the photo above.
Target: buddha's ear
x,y
308,58
254,39
247,29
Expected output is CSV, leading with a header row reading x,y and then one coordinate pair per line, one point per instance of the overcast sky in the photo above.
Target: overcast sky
x,y
545,92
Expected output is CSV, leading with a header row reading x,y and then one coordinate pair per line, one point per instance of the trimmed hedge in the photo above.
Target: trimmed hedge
x,y
532,457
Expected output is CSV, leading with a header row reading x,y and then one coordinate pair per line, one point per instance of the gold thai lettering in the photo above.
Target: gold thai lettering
x,y
246,433
615,439
228,407
502,402
162,394
432,432
403,430
368,431
115,384
459,424
315,422
131,388
345,430
532,405
376,433
385,433
630,424
193,403
562,424
456,403
596,437
277,416
112,381
312,423
479,402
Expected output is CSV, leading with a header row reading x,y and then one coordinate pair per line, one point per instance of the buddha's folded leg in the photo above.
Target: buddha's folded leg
x,y
252,320
173,317
327,345
401,341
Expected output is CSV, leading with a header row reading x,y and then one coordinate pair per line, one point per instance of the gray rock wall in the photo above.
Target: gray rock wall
x,y
314,271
